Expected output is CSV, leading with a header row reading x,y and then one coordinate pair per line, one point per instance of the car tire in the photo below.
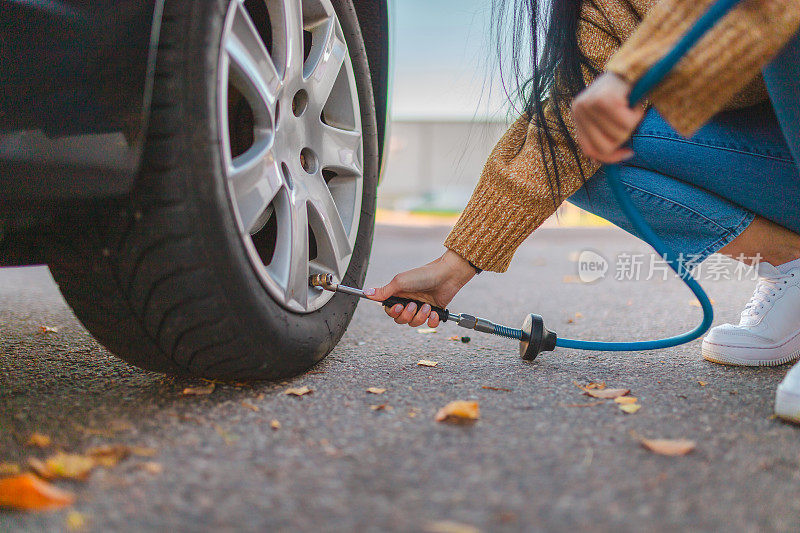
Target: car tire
x,y
167,279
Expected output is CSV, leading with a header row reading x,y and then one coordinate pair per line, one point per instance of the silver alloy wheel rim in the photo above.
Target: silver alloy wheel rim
x,y
300,178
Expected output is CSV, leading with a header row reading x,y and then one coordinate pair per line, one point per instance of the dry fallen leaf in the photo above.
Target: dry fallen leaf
x,y
669,446
39,440
702,383
143,451
459,411
9,469
63,465
448,526
454,338
250,406
298,391
376,390
626,399
426,330
275,424
381,407
425,362
593,385
28,492
108,455
152,468
76,521
200,390
630,408
501,389
48,329
606,394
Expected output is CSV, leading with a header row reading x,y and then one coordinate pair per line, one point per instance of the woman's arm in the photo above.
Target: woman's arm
x,y
514,194
725,60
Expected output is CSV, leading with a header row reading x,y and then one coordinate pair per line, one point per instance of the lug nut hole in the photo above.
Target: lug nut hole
x,y
299,102
308,160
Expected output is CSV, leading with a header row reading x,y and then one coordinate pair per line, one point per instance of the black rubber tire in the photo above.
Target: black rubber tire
x,y
162,278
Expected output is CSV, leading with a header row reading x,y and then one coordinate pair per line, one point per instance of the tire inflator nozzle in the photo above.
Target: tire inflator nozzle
x,y
533,337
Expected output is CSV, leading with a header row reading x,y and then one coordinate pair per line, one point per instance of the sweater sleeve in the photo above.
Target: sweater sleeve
x,y
513,198
516,193
721,64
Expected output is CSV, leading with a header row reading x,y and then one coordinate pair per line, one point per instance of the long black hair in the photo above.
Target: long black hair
x,y
542,67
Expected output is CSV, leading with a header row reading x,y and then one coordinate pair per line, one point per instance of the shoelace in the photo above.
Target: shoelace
x,y
766,289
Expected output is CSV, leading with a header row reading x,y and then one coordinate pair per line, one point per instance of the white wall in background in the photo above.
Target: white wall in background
x,y
435,163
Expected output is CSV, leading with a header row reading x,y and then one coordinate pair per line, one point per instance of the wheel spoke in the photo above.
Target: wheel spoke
x,y
250,61
333,235
293,38
325,63
256,180
340,150
297,277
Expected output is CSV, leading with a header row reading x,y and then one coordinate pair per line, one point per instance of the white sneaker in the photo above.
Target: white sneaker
x,y
787,397
769,328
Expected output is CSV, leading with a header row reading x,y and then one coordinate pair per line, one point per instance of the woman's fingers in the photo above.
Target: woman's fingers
x,y
411,316
421,316
407,314
394,311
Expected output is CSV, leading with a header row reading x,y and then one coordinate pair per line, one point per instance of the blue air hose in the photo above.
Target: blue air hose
x,y
650,79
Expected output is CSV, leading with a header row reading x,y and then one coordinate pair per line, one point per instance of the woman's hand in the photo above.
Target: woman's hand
x,y
603,120
435,283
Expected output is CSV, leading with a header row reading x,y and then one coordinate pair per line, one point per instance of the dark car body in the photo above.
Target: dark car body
x,y
76,79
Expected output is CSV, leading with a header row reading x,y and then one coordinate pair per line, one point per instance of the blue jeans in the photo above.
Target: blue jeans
x,y
699,194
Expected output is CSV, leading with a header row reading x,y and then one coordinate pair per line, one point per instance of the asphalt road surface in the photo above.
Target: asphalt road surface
x,y
538,459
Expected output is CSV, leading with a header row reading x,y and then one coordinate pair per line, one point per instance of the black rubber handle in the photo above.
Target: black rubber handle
x,y
391,301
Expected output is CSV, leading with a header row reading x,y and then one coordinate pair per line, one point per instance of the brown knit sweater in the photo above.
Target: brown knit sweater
x,y
513,196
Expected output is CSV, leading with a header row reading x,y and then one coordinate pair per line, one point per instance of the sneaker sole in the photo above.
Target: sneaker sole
x,y
787,405
738,356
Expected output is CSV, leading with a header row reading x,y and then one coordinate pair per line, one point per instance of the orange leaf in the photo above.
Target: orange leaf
x,y
152,468
63,465
200,390
275,424
298,391
625,399
39,440
376,390
250,406
76,521
668,446
606,394
425,362
28,492
459,411
630,408
108,455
